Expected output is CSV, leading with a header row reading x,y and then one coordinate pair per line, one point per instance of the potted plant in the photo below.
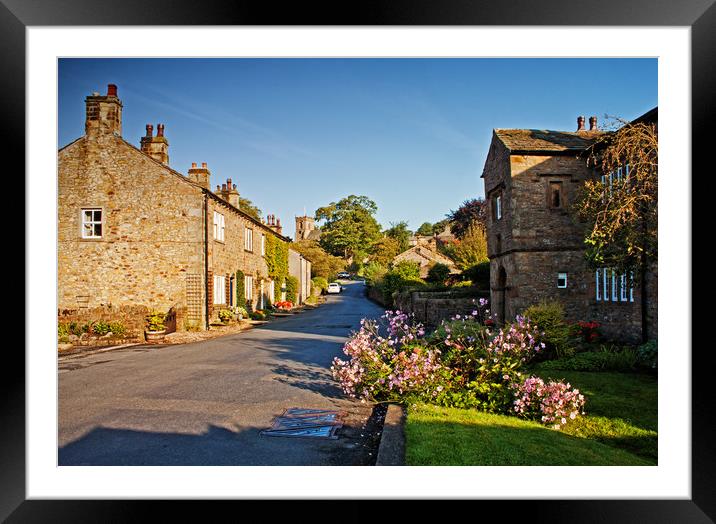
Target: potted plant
x,y
241,313
225,315
155,326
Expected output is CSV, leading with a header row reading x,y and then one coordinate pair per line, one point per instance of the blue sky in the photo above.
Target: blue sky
x,y
411,134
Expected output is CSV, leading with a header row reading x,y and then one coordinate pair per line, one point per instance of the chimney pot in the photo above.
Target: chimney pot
x,y
223,187
111,90
203,165
228,183
150,129
160,129
218,188
234,186
592,123
193,165
580,123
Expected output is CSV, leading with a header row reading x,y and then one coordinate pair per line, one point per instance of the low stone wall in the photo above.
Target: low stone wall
x,y
376,295
431,308
133,317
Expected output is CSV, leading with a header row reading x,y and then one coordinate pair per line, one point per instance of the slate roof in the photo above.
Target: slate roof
x,y
542,140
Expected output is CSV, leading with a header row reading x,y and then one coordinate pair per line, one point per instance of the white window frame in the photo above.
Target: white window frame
x,y
92,222
498,207
598,275
249,287
219,226
623,290
263,244
631,287
614,286
248,239
559,276
219,289
605,281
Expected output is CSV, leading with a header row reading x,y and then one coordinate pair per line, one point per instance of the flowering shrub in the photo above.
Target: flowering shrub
x,y
284,304
552,403
590,331
390,367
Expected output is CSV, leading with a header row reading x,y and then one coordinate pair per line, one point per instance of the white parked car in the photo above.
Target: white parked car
x,y
334,287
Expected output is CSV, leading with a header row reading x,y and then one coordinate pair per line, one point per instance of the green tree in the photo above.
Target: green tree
x,y
249,208
349,225
620,212
425,230
384,250
438,273
471,212
400,232
323,264
471,249
439,227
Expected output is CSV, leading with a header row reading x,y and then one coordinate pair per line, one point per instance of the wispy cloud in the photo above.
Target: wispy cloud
x,y
245,132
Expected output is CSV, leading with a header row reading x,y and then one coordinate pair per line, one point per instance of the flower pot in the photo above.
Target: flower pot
x,y
154,336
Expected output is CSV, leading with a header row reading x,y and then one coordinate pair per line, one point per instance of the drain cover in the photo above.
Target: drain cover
x,y
298,422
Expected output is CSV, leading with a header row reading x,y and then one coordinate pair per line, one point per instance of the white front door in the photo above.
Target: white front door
x,y
261,296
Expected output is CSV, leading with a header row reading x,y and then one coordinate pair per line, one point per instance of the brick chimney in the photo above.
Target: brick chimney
x,y
229,193
103,114
273,223
157,146
580,123
200,175
592,123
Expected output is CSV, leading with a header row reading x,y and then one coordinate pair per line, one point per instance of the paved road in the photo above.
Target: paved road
x,y
205,403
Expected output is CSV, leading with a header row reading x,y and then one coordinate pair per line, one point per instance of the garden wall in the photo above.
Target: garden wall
x,y
431,308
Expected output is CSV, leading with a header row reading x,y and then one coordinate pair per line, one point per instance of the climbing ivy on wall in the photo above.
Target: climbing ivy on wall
x,y
292,289
240,292
277,263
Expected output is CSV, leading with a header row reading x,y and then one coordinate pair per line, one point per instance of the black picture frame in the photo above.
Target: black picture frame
x,y
699,15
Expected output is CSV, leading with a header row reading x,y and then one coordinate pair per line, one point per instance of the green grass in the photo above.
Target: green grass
x,y
619,429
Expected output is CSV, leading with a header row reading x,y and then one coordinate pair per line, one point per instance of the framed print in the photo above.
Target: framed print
x,y
59,461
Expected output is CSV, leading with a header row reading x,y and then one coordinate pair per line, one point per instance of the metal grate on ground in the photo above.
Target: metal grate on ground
x,y
309,423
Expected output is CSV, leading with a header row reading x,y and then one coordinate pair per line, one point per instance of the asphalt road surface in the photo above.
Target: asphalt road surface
x,y
205,403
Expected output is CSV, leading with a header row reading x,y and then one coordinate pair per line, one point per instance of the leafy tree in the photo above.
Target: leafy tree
x,y
400,232
249,208
406,269
322,264
425,230
621,212
471,212
373,272
438,273
384,250
471,249
349,226
439,227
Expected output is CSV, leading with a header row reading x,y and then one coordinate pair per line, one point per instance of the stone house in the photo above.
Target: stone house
x,y
134,234
426,255
536,247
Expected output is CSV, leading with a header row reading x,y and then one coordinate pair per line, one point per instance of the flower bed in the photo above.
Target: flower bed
x,y
464,363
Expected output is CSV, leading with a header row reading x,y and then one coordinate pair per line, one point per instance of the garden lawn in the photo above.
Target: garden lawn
x,y
619,429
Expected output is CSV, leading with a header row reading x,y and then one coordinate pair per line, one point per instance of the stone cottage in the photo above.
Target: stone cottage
x,y
426,255
536,247
134,234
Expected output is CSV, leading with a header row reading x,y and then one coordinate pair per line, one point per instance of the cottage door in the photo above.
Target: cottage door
x,y
261,296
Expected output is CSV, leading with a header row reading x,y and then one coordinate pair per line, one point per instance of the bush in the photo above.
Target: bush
x,y
117,328
551,403
479,274
258,315
393,283
63,330
647,354
406,269
607,358
373,272
320,283
284,304
100,328
438,273
558,336
225,315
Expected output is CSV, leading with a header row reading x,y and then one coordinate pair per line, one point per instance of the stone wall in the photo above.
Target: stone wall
x,y
431,308
151,232
132,317
230,255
